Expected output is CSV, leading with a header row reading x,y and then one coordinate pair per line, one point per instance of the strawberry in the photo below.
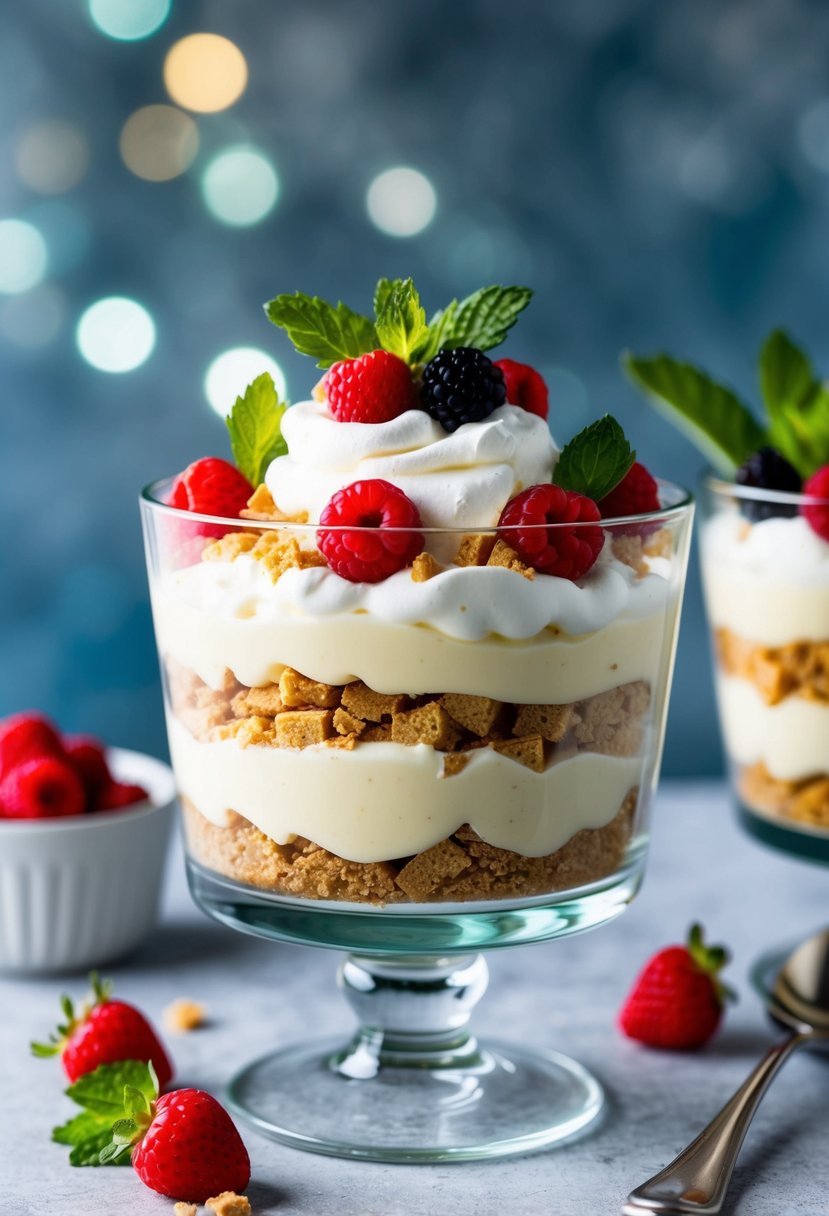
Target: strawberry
x,y
25,736
44,787
183,1144
104,1032
677,1001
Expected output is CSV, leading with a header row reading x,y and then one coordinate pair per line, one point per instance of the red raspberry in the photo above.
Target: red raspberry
x,y
817,514
374,388
88,759
211,487
371,556
566,552
25,736
42,788
636,494
116,795
525,387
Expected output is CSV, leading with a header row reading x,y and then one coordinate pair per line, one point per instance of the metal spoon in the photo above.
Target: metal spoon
x,y
695,1182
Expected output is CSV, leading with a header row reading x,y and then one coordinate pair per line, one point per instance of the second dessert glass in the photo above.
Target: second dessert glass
x,y
459,758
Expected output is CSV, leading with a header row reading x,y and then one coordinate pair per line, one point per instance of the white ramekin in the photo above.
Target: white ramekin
x,y
81,891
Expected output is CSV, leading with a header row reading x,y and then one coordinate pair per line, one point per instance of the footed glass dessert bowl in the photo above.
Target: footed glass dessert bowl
x,y
459,757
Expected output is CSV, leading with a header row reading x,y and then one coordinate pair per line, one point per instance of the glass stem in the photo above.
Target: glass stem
x,y
413,1012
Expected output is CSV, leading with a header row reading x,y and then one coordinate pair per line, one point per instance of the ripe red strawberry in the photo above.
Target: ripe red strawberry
x,y
116,795
525,387
24,736
184,1144
374,554
88,759
211,487
45,787
677,1001
104,1032
817,514
636,494
567,552
374,388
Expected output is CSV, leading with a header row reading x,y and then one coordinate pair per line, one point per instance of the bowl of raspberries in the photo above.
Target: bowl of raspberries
x,y
83,836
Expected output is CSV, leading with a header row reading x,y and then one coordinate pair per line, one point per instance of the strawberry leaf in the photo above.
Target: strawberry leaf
x,y
102,1091
118,1102
595,461
255,427
401,319
317,328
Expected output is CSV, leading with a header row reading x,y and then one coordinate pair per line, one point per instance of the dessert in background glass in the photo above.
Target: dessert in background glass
x,y
764,548
416,693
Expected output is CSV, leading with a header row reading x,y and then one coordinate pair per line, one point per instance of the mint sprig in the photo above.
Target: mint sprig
x,y
595,461
797,404
255,426
482,320
104,1095
401,319
710,413
325,331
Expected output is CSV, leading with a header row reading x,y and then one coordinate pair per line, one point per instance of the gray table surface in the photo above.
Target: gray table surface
x,y
560,994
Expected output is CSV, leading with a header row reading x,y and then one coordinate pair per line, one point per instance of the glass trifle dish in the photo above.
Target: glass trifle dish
x,y
416,665
765,567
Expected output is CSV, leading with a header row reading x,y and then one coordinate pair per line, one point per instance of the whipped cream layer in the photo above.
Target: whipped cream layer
x,y
767,581
478,630
791,738
460,480
383,800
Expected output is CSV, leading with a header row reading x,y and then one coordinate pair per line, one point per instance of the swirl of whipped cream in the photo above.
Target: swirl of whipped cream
x,y
461,480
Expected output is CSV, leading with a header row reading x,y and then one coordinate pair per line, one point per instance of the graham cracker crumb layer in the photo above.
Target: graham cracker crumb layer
x,y
462,867
799,669
805,801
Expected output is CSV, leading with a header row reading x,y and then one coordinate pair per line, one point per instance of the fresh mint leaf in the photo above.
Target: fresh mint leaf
x,y
102,1092
482,320
320,329
711,414
255,430
786,376
797,404
401,320
596,460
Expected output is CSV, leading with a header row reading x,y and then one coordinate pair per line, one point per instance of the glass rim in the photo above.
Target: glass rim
x,y
712,480
150,496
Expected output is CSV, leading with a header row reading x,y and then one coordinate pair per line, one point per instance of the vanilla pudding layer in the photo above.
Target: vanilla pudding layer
x,y
791,738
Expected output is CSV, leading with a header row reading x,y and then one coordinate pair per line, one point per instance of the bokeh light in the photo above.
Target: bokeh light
x,y
51,157
401,201
240,186
159,142
230,373
23,256
205,72
129,20
65,229
116,334
34,319
813,134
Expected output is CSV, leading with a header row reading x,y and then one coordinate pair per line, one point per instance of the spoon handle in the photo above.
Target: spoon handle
x,y
696,1181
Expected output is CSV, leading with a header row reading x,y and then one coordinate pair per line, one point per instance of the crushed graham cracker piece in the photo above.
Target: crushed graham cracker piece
x,y
229,1204
796,669
303,727
454,762
346,742
426,872
478,714
228,548
277,552
347,724
183,1015
474,550
262,702
660,544
628,549
296,689
311,559
617,712
262,506
550,721
503,555
379,733
429,723
369,705
248,732
424,567
806,801
528,751
185,1209
318,391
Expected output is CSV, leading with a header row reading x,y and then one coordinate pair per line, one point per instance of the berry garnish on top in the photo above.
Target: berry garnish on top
x,y
817,513
525,387
461,385
373,388
383,548
553,530
766,469
211,487
636,494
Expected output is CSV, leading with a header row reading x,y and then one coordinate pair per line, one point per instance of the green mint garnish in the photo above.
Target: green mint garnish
x,y
401,319
711,414
254,424
316,328
482,320
107,1095
797,404
596,460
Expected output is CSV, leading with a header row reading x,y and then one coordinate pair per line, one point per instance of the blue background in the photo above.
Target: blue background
x,y
657,171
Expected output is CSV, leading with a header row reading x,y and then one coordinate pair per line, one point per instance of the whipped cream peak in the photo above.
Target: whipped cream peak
x,y
463,479
768,550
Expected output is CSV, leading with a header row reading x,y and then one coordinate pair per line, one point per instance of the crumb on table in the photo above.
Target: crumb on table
x,y
229,1204
184,1015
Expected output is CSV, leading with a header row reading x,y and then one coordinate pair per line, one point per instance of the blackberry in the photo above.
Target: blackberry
x,y
768,470
461,385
